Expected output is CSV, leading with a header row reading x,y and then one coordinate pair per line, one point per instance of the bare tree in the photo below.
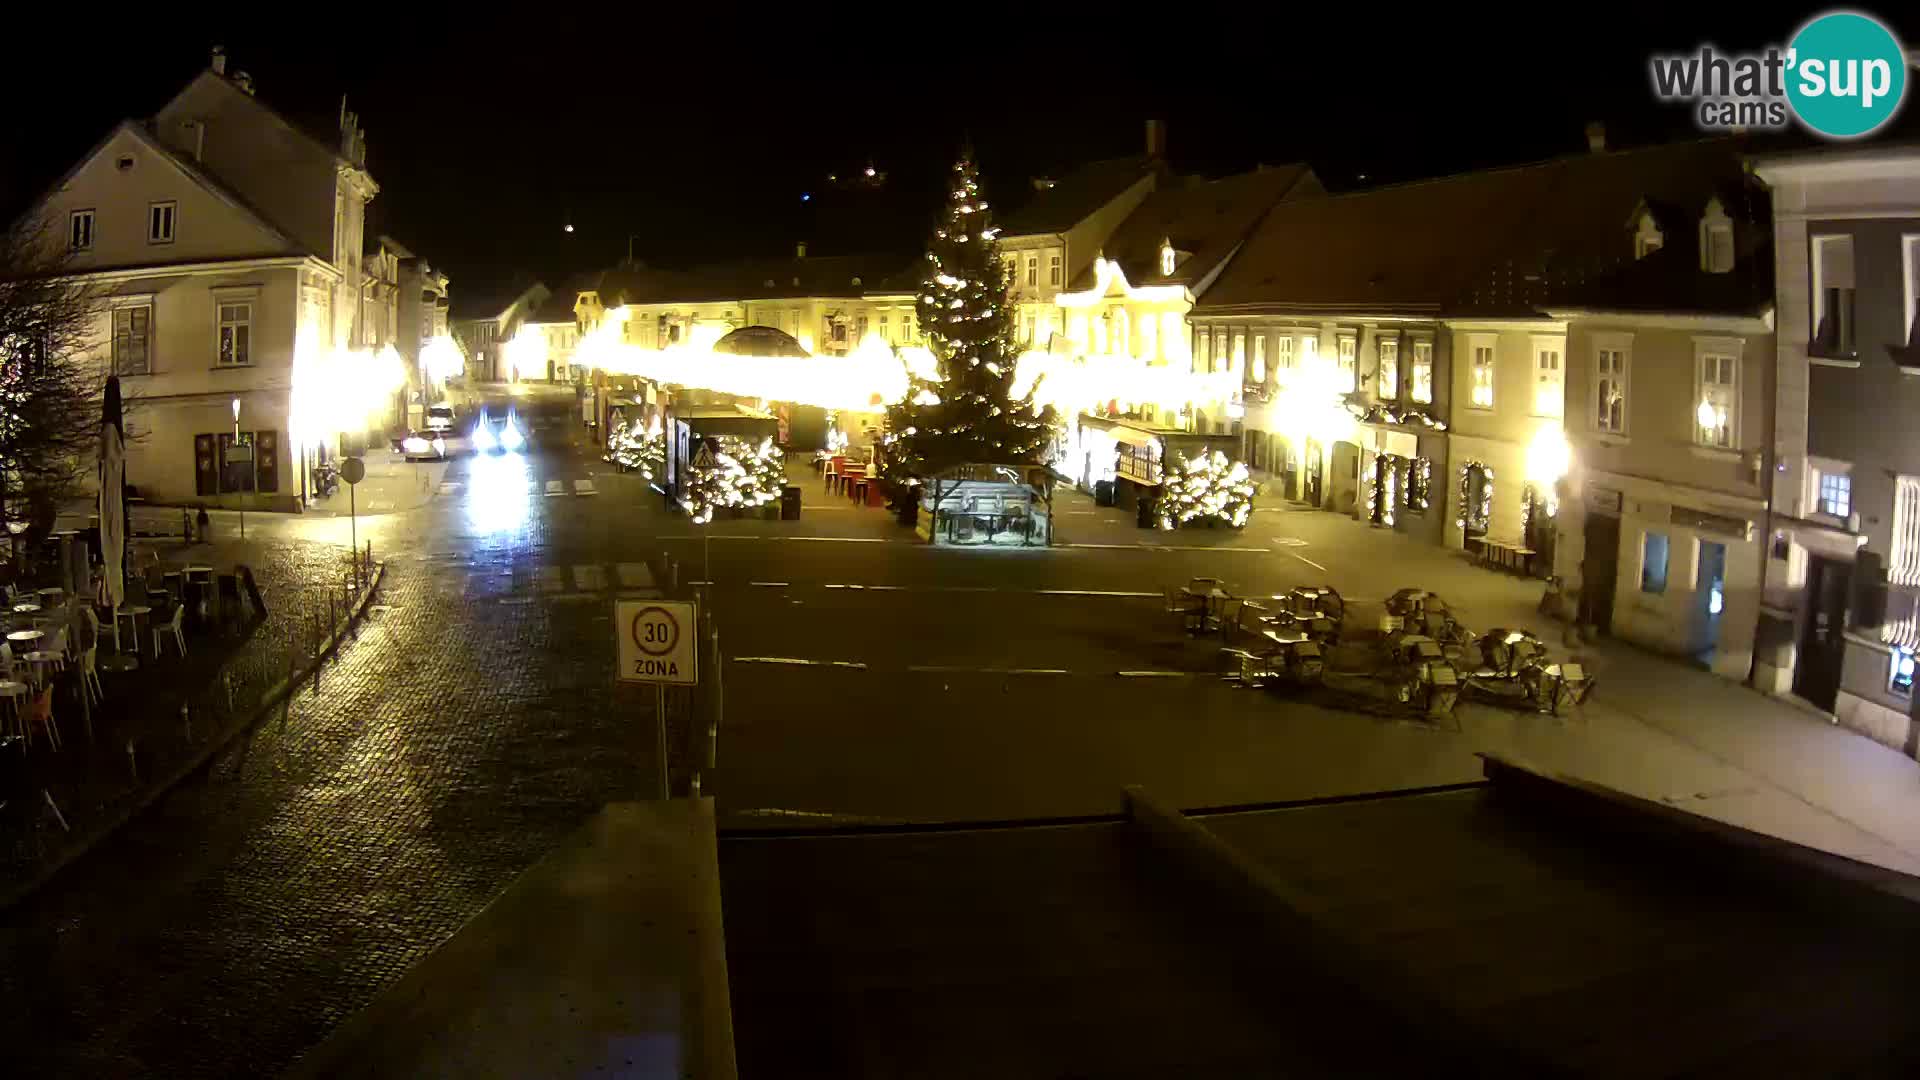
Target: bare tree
x,y
49,384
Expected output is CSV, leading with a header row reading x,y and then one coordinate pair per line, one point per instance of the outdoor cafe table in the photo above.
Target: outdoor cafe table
x,y
1212,599
132,614
51,594
25,637
24,608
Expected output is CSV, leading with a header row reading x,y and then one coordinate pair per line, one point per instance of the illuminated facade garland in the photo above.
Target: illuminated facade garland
x,y
1484,517
1419,483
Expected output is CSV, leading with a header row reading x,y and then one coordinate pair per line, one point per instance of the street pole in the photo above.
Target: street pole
x,y
353,516
250,461
660,734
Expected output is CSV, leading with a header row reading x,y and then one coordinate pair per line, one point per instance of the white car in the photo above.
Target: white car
x,y
425,446
440,419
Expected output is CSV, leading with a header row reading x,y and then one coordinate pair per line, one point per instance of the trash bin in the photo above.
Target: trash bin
x,y
790,503
1103,493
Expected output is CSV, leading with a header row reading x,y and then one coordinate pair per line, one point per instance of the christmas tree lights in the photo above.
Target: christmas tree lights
x,y
1205,486
638,446
965,409
743,475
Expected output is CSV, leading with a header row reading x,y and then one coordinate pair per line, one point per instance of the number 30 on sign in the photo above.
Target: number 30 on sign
x,y
655,641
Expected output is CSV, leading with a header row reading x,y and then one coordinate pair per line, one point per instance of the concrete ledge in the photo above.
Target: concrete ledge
x,y
606,958
1780,865
107,826
1289,916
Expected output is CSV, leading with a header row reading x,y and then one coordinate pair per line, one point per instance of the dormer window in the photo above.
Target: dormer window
x,y
1716,239
1647,237
1167,258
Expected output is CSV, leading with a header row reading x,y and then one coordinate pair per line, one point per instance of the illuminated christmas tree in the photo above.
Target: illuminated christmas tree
x,y
1205,487
968,412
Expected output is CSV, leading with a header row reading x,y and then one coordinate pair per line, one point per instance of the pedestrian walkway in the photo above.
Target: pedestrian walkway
x,y
1657,726
392,485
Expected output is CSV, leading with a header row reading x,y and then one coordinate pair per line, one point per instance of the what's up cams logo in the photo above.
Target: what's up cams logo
x,y
1843,76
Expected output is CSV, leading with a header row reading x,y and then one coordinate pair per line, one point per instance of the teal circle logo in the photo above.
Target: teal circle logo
x,y
1846,75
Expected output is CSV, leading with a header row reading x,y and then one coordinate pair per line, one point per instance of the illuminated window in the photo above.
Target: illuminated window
x,y
1900,671
1717,416
1166,259
1610,391
1549,386
1033,270
1389,368
1836,494
1283,353
886,334
1238,360
235,341
1260,360
1422,374
1053,269
1348,357
1481,395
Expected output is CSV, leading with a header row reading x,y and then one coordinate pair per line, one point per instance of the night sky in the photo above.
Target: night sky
x,y
697,139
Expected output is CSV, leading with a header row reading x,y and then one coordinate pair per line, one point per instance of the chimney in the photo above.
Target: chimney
x,y
800,250
1597,137
1156,139
219,60
244,81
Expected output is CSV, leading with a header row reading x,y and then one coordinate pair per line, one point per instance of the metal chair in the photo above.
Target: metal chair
x,y
172,626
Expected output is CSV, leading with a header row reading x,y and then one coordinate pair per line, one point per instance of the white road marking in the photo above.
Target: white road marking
x,y
1197,547
1092,592
584,487
1289,541
769,584
555,487
1153,674
378,505
1310,562
796,661
634,575
589,577
1104,547
516,599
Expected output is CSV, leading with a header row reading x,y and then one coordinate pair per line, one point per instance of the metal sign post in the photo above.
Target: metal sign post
x,y
353,470
657,641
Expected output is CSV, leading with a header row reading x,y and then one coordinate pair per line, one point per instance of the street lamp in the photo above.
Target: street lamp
x,y
236,443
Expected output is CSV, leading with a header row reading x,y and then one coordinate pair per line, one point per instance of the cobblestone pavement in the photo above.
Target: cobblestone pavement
x,y
232,925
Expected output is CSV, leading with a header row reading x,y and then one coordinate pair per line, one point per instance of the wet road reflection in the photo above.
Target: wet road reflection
x,y
497,493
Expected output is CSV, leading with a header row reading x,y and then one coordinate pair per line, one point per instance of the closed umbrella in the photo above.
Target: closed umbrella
x,y
113,521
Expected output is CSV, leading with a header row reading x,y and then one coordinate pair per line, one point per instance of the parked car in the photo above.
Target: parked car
x,y
440,418
425,446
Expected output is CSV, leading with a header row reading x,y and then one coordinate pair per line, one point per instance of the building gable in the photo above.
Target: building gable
x,y
128,180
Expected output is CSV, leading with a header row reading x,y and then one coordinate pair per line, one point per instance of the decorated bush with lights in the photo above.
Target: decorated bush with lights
x,y
744,475
1205,488
965,410
635,446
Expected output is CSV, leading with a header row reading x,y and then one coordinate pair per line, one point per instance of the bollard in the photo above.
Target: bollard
x,y
186,720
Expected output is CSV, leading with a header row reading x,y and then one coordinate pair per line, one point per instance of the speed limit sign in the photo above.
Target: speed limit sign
x,y
655,641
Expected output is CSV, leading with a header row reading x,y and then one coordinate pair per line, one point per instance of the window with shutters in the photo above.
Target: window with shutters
x,y
1832,296
133,339
1347,362
1903,568
80,230
1259,370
